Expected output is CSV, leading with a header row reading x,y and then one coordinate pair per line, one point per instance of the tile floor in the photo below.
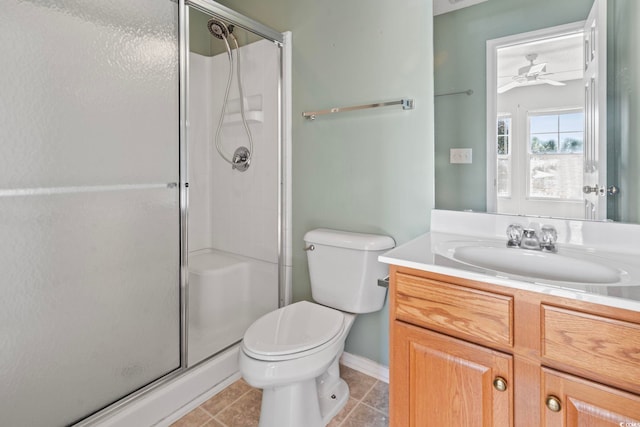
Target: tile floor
x,y
239,405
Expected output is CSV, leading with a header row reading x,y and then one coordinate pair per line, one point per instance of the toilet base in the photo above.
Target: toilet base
x,y
333,392
330,406
309,403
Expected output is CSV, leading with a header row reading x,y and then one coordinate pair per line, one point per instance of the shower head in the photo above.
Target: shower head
x,y
218,28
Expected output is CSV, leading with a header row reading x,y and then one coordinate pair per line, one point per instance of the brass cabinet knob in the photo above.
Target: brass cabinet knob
x,y
553,403
500,384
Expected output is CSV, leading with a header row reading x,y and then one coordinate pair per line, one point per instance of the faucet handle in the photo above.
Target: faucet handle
x,y
548,233
514,234
549,237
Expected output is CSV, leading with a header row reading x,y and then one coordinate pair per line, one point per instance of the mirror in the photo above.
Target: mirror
x,y
463,121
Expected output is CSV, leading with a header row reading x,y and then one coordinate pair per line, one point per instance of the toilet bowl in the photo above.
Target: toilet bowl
x,y
293,353
298,372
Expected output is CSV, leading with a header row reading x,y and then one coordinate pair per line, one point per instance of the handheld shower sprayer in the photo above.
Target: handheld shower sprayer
x,y
219,29
241,158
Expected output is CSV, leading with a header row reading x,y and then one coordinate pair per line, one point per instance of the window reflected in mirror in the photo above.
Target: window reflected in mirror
x,y
540,124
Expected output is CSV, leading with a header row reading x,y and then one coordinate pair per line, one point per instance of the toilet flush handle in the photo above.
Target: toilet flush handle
x,y
309,248
384,283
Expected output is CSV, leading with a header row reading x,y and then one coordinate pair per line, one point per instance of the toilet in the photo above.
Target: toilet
x,y
292,353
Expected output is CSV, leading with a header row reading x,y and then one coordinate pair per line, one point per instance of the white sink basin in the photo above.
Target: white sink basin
x,y
538,265
571,266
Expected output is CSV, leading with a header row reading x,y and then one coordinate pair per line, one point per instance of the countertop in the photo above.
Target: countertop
x,y
422,253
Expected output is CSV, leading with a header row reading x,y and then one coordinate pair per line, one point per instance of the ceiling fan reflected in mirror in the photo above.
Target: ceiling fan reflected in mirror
x,y
529,75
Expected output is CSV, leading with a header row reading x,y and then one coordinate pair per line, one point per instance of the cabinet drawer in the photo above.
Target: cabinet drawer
x,y
598,347
456,310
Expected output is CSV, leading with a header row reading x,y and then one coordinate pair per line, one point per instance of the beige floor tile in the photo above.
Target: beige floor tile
x,y
344,412
226,397
378,397
239,405
359,383
363,416
195,418
245,412
213,423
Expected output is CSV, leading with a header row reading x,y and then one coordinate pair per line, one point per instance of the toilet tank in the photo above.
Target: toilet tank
x,y
344,269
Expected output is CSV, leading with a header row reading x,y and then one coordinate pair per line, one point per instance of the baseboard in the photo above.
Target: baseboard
x,y
366,366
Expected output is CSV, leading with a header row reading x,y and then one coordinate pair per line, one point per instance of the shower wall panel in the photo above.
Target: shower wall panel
x,y
89,205
231,210
244,206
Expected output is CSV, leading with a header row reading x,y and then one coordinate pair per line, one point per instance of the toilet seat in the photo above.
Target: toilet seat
x,y
293,331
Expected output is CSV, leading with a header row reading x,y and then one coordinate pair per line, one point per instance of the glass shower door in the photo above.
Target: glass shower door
x,y
89,204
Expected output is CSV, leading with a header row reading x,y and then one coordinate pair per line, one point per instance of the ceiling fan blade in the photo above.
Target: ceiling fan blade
x,y
508,86
537,68
552,82
531,69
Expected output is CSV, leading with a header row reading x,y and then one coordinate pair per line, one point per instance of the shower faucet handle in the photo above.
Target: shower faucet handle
x,y
241,159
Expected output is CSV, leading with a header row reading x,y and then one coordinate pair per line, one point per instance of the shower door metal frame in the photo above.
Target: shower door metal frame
x,y
219,11
211,8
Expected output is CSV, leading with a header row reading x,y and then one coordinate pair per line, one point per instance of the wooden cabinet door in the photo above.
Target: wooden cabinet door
x,y
441,381
586,404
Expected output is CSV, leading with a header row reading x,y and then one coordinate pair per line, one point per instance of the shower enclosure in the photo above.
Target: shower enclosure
x,y
133,255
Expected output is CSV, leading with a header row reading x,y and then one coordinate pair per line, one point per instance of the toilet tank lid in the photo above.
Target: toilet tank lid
x,y
348,239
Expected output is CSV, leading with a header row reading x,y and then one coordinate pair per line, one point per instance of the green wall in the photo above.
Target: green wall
x,y
367,171
460,64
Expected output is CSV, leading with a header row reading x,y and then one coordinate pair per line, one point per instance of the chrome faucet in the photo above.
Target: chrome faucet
x,y
530,240
532,237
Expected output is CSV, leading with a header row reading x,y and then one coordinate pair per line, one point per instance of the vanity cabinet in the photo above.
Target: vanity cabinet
x,y
466,353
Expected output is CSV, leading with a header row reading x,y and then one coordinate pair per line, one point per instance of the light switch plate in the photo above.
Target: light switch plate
x,y
460,155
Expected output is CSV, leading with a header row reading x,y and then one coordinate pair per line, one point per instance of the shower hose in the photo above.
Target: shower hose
x,y
233,160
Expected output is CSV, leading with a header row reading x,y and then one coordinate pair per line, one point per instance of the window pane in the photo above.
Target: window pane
x,y
502,127
504,130
542,124
573,122
507,125
543,143
503,145
504,175
556,176
572,142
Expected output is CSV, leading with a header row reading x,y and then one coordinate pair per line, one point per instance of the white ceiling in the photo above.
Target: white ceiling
x,y
563,56
444,6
